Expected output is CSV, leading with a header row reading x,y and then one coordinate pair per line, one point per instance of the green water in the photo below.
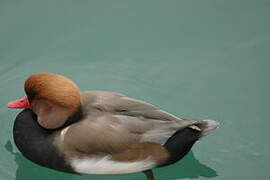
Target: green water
x,y
207,59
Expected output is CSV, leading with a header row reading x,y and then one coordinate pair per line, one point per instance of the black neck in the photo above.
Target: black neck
x,y
36,143
75,117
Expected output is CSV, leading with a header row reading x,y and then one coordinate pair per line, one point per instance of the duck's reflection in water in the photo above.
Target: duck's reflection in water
x,y
188,167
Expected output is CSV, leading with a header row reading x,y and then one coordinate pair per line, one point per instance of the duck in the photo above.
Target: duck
x,y
98,132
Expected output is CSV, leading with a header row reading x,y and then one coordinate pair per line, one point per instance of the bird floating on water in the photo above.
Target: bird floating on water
x,y
98,132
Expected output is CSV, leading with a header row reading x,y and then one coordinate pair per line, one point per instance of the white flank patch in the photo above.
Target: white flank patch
x,y
107,166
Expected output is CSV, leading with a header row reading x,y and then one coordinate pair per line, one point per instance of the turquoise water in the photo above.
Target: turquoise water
x,y
207,59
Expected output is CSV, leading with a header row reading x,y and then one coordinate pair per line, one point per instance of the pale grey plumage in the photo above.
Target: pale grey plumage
x,y
137,117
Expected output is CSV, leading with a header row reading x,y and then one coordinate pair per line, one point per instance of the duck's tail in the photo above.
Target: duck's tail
x,y
180,143
206,127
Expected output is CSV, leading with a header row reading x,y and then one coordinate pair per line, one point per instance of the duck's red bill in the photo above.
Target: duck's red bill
x,y
22,103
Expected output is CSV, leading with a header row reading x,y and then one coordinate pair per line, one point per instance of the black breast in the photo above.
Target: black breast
x,y
35,142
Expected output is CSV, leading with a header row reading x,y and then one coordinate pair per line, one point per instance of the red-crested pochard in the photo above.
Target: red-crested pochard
x,y
97,132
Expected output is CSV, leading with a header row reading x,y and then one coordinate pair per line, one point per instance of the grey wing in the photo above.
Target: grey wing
x,y
121,104
138,117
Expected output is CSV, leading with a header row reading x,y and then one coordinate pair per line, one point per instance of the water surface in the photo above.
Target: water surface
x,y
206,59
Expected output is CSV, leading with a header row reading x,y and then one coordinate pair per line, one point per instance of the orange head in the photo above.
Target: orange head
x,y
52,97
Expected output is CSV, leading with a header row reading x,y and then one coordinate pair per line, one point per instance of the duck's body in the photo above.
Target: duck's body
x,y
106,133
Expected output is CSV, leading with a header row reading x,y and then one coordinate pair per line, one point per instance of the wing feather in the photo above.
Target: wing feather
x,y
136,116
